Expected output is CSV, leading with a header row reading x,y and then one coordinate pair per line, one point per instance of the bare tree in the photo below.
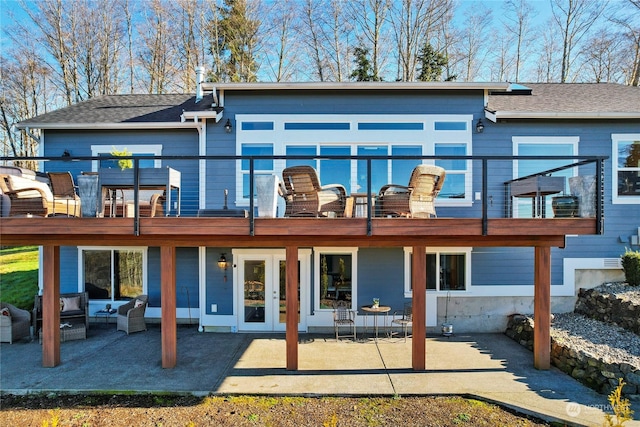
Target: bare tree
x,y
415,21
371,17
574,18
474,41
154,54
548,59
311,31
630,24
280,44
518,18
602,57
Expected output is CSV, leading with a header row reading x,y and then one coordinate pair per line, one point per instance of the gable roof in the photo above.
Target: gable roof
x,y
565,101
123,111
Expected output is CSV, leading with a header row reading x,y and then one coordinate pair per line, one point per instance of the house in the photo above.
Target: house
x,y
493,246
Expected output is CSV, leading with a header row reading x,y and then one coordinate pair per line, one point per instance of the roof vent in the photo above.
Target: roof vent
x,y
199,80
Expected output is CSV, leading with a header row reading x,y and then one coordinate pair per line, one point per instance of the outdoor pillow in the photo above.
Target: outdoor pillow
x,y
70,304
5,312
138,303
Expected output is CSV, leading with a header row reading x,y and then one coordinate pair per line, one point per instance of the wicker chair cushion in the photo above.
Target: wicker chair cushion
x,y
70,304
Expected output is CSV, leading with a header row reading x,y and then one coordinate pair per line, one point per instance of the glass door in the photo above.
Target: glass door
x,y
262,291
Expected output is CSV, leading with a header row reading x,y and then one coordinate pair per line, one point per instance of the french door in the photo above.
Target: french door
x,y
261,289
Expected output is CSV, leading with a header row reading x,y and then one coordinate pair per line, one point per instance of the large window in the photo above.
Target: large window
x,y
335,278
448,269
113,274
359,135
626,168
541,146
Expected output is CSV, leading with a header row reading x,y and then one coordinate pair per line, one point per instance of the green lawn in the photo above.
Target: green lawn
x,y
19,275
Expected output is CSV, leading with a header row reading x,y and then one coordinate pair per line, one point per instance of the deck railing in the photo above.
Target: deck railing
x,y
475,186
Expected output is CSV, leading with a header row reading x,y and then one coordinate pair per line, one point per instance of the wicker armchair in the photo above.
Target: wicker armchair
x,y
131,315
16,325
304,196
417,200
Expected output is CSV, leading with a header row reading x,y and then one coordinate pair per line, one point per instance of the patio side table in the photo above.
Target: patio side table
x,y
105,313
376,311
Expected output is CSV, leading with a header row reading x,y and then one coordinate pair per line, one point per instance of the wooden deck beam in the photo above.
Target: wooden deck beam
x,y
168,302
542,309
292,307
51,306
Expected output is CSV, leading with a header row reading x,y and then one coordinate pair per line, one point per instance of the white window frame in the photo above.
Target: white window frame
x,y
316,274
96,150
615,198
542,140
427,137
81,281
437,251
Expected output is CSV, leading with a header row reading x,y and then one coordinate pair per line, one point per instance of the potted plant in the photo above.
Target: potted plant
x,y
123,163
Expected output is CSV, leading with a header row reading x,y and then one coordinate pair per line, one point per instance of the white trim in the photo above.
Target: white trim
x,y
131,126
95,305
317,251
533,140
272,257
408,251
570,265
497,115
96,150
615,198
426,138
357,86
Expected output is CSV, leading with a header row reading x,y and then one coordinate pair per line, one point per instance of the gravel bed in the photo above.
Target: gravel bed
x,y
610,343
621,290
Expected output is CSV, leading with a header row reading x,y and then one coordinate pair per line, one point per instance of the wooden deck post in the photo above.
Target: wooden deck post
x,y
542,309
50,306
292,307
168,301
419,286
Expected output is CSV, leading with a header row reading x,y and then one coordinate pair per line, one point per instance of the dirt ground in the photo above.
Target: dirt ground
x,y
158,410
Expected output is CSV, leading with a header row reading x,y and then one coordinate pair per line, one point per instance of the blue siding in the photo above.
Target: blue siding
x,y
219,291
187,293
381,275
174,143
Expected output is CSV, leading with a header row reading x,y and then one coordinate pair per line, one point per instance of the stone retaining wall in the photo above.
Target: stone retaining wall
x,y
607,308
594,373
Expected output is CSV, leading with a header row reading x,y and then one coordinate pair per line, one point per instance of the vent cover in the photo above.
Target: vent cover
x,y
612,263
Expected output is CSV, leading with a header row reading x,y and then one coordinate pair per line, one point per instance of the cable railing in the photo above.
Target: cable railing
x,y
254,187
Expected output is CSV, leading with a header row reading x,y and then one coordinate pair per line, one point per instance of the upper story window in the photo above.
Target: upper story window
x,y
626,168
382,136
541,146
135,150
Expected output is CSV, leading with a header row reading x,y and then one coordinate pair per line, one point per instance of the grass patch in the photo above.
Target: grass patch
x,y
19,275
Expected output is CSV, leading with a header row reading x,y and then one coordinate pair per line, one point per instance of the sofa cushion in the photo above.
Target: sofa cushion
x,y
70,304
17,183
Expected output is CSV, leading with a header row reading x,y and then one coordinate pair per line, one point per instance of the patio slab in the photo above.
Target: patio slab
x,y
489,366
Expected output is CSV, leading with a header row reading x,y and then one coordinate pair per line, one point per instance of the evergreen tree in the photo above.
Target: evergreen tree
x,y
236,42
431,64
363,72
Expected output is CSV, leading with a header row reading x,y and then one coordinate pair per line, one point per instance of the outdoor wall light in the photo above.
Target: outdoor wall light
x,y
479,126
222,262
227,126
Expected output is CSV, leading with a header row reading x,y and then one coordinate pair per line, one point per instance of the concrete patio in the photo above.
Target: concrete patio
x,y
488,366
